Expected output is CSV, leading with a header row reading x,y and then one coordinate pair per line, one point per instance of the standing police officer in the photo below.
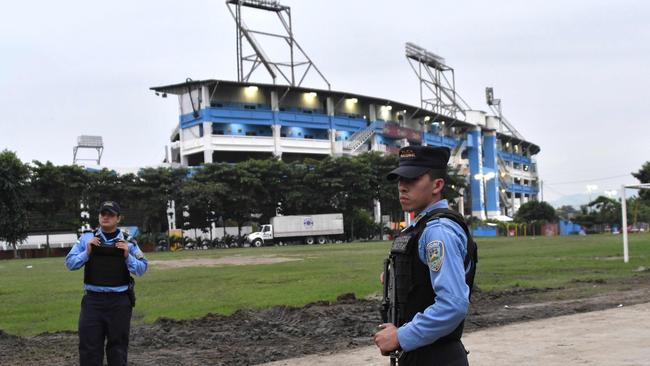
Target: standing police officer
x,y
108,256
434,261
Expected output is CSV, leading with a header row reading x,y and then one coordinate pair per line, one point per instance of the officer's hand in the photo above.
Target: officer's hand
x,y
386,338
381,278
92,241
124,245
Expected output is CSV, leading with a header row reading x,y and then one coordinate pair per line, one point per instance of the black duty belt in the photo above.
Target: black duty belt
x,y
105,294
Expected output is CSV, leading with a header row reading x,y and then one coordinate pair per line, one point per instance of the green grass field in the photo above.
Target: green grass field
x,y
46,297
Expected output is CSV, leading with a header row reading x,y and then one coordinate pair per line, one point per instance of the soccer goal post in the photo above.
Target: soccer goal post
x,y
626,253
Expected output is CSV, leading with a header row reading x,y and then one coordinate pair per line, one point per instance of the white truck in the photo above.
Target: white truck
x,y
308,229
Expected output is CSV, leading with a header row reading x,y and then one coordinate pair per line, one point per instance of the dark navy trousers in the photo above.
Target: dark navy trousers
x,y
104,319
441,353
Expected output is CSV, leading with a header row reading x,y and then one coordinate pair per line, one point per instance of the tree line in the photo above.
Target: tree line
x,y
45,198
595,215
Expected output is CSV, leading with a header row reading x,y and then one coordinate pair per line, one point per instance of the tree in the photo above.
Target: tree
x,y
149,193
103,185
600,211
14,176
567,212
54,198
384,190
643,175
268,185
533,211
204,196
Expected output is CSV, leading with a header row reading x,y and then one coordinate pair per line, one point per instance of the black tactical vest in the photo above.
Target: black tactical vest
x,y
106,266
414,292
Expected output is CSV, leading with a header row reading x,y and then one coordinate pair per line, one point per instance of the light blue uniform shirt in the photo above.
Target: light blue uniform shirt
x,y
448,282
136,263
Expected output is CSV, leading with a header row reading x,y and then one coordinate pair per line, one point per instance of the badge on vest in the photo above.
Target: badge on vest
x,y
435,254
400,245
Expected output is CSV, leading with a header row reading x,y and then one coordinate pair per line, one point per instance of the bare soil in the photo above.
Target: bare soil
x,y
253,337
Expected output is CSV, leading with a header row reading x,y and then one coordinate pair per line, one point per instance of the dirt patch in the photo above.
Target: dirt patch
x,y
235,260
252,337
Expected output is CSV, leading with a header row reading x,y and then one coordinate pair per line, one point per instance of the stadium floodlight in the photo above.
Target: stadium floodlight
x,y
626,253
420,54
88,142
436,81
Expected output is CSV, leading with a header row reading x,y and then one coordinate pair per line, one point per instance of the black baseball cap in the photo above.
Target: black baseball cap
x,y
110,206
417,160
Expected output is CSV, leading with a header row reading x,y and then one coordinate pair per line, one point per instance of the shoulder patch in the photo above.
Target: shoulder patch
x,y
435,254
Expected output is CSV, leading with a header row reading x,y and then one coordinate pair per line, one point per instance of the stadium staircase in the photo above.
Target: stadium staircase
x,y
359,138
503,168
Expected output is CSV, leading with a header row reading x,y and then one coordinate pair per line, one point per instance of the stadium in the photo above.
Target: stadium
x,y
231,121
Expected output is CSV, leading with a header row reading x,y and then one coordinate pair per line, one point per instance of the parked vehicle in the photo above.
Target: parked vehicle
x,y
307,229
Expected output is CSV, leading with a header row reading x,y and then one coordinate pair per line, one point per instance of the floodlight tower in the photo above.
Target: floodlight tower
x,y
88,142
291,71
438,78
495,106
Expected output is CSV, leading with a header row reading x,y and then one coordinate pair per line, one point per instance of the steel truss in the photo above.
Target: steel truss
x,y
438,79
290,70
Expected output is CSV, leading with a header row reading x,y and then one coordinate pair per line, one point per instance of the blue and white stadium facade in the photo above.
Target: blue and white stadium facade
x,y
231,121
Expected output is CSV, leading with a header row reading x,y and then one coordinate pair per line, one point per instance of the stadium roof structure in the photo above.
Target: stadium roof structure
x,y
182,88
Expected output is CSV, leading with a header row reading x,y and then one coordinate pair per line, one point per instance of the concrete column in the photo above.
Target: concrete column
x,y
275,101
277,146
475,156
276,127
374,145
184,161
329,105
377,211
461,202
205,97
490,165
207,142
372,113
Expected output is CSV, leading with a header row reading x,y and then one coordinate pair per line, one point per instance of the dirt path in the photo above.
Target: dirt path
x,y
250,337
618,336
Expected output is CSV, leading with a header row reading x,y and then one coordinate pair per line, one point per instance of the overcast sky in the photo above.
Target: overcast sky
x,y
573,76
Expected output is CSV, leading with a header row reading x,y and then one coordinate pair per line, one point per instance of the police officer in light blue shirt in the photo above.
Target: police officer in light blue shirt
x,y
108,256
435,260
